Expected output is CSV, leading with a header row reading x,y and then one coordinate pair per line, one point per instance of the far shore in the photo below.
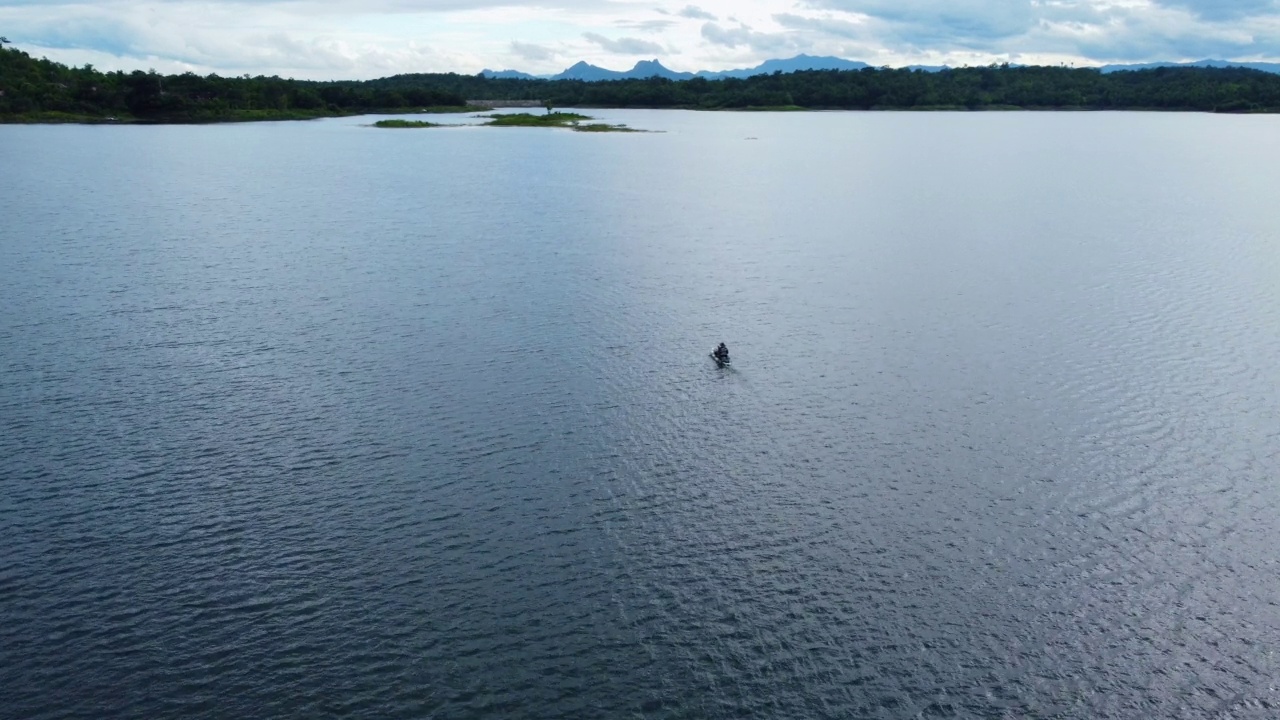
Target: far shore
x,y
62,118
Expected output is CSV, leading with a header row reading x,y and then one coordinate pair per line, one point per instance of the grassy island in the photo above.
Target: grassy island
x,y
405,124
602,127
556,119
573,121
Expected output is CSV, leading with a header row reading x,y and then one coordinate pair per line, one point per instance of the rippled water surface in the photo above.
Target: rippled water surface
x,y
319,420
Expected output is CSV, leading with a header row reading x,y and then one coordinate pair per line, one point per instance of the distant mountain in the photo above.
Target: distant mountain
x,y
652,68
643,69
586,71
789,65
1263,66
508,74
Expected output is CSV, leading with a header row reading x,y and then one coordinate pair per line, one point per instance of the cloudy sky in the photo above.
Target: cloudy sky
x,y
350,39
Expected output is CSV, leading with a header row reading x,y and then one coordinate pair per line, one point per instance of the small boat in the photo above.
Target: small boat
x,y
721,360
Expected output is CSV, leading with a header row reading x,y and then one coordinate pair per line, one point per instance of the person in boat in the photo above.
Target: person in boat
x,y
722,352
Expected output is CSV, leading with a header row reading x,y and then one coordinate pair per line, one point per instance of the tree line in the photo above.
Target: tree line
x,y
42,89
976,88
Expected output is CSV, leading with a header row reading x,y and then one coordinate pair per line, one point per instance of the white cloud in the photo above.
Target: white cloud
x,y
696,13
1225,9
939,22
1083,31
651,26
625,46
742,35
531,51
838,27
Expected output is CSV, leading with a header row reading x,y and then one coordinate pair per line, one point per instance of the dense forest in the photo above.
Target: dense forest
x,y
992,87
41,90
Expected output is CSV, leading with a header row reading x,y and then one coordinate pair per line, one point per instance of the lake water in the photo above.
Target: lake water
x,y
320,420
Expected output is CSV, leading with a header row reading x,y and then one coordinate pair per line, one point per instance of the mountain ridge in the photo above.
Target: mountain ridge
x,y
654,68
587,72
1273,68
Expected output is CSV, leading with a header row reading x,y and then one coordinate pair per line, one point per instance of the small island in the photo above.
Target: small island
x,y
573,121
406,124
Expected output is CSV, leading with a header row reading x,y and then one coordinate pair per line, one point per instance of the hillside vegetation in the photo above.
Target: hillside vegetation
x,y
42,90
991,87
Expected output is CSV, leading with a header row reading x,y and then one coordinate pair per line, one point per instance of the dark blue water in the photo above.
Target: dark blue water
x,y
320,420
